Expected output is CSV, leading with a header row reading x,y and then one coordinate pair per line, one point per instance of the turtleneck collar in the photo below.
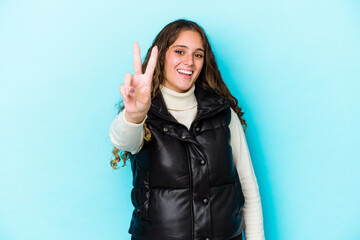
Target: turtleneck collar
x,y
179,101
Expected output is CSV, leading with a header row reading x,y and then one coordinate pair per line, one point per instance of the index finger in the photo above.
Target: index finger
x,y
150,68
137,59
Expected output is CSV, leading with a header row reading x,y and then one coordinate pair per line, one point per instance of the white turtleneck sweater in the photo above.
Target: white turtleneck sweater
x,y
127,136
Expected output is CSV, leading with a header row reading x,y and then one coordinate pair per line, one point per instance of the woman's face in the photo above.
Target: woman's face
x,y
183,61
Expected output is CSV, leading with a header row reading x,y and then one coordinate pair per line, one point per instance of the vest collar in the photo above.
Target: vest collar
x,y
209,103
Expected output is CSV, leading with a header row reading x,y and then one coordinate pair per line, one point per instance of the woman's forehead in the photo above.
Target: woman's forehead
x,y
189,39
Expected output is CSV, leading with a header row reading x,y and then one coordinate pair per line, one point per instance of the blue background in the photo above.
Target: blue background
x,y
293,65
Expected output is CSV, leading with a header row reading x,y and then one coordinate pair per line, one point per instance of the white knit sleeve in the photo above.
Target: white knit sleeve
x,y
126,136
252,210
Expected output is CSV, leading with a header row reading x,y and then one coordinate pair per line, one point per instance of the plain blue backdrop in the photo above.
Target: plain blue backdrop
x,y
293,65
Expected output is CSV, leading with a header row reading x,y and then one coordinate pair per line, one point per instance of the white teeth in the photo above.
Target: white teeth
x,y
184,71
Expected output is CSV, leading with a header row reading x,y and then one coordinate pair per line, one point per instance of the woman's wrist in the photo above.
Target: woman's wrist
x,y
135,118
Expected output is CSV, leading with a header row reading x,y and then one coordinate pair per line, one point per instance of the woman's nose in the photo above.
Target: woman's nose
x,y
189,59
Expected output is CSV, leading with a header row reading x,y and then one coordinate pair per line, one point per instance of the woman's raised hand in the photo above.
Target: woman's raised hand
x,y
136,89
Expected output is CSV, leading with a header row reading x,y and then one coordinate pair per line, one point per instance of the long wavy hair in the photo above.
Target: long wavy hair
x,y
209,77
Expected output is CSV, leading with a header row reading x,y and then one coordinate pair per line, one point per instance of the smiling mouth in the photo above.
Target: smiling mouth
x,y
189,73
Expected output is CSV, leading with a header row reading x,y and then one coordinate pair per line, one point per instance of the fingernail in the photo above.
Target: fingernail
x,y
132,90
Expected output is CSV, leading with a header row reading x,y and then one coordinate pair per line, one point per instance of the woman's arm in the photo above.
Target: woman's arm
x,y
126,136
126,131
252,210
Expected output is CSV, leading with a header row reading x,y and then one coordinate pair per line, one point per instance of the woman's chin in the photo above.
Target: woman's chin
x,y
182,85
185,87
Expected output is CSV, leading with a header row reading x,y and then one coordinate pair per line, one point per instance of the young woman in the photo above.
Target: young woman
x,y
182,131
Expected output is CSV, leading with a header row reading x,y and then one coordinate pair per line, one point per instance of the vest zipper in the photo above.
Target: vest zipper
x,y
190,191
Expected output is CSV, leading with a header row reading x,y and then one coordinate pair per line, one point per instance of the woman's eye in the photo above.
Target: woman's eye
x,y
179,51
198,55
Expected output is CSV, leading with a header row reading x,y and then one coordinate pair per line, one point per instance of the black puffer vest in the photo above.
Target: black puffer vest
x,y
186,186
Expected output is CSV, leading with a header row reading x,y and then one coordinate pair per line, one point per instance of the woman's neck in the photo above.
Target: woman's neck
x,y
176,101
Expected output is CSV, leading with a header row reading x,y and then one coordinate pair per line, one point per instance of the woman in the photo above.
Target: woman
x,y
181,129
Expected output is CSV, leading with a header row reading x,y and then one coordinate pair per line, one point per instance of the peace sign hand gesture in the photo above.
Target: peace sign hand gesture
x,y
136,89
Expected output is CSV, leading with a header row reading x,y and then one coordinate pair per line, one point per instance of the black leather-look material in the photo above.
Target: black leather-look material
x,y
186,186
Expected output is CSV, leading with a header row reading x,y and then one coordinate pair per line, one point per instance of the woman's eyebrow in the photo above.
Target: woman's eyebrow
x,y
184,46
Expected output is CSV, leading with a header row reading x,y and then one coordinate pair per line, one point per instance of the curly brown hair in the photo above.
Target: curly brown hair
x,y
209,77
